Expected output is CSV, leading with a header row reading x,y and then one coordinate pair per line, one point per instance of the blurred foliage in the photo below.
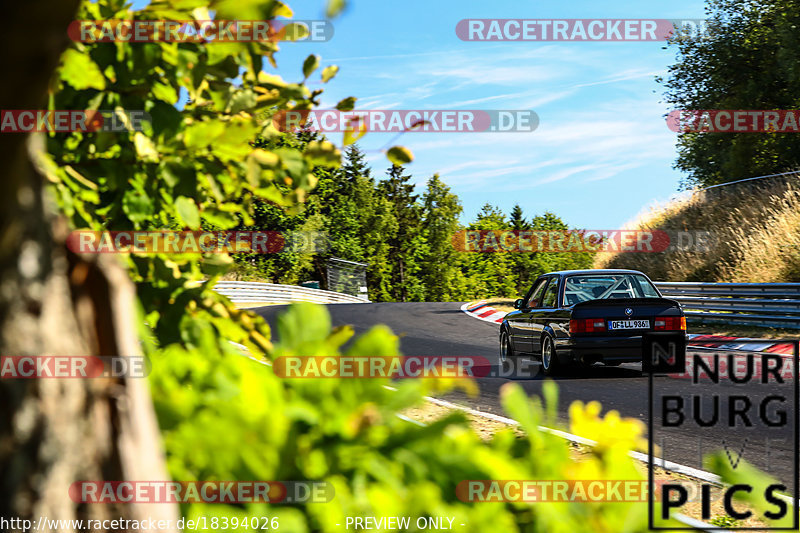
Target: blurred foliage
x,y
758,482
345,432
225,416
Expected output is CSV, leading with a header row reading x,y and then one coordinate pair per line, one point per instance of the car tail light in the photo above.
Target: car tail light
x,y
587,325
670,323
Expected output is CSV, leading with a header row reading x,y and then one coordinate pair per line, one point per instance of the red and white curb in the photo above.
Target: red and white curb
x,y
768,346
483,311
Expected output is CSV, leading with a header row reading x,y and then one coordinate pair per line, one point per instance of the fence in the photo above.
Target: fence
x,y
348,277
250,291
755,304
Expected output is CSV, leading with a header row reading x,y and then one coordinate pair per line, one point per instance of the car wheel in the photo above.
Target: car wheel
x,y
550,363
506,348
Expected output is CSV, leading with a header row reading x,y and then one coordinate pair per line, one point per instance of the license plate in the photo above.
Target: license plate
x,y
629,324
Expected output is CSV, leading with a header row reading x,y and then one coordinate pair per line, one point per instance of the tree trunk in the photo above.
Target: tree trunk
x,y
54,432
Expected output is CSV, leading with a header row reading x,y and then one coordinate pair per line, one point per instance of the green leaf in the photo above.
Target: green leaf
x,y
746,474
216,265
282,10
310,65
335,7
223,55
187,212
219,218
202,134
173,173
166,120
244,100
329,72
234,142
81,72
323,153
550,395
378,341
303,322
137,205
294,32
355,129
165,92
400,155
348,104
292,161
145,149
517,404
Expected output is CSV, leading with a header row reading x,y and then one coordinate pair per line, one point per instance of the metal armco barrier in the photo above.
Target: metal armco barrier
x,y
757,304
251,291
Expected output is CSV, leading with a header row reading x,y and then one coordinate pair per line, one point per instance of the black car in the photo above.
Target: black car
x,y
588,316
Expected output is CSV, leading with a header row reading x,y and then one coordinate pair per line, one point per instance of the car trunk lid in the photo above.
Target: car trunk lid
x,y
624,316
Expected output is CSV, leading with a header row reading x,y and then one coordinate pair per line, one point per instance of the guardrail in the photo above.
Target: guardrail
x,y
755,304
251,291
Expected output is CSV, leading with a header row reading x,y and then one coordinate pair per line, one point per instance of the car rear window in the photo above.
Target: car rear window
x,y
585,287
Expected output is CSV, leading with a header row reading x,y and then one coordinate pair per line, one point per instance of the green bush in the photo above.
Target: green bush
x,y
225,416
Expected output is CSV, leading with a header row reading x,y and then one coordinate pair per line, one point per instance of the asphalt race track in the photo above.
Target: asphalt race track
x,y
429,329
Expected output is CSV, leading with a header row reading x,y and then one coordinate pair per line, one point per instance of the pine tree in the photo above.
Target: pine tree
x,y
516,219
405,245
441,209
489,274
521,260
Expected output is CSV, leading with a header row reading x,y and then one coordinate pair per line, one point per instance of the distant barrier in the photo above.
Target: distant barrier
x,y
251,291
757,304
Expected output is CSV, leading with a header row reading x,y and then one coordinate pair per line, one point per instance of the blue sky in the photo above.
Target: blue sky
x,y
602,152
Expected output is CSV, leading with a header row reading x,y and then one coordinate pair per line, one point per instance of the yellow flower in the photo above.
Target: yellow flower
x,y
610,432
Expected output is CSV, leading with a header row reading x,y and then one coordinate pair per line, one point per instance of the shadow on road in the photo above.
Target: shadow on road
x,y
528,369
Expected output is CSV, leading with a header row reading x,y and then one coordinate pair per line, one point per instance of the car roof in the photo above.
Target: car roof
x,y
595,271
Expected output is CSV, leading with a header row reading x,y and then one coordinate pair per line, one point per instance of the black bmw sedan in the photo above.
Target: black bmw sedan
x,y
588,316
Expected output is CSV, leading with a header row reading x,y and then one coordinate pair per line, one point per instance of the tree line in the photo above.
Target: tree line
x,y
404,235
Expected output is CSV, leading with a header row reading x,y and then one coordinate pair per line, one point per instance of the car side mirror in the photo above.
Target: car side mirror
x,y
518,304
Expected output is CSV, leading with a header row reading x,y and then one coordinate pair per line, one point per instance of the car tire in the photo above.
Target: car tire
x,y
550,363
506,348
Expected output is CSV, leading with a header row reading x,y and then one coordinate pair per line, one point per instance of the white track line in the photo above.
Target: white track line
x,y
575,438
643,457
667,465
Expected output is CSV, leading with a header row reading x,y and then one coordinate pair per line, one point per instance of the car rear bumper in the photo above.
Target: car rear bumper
x,y
603,349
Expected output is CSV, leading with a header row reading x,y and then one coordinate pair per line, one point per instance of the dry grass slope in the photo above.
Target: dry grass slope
x,y
756,227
